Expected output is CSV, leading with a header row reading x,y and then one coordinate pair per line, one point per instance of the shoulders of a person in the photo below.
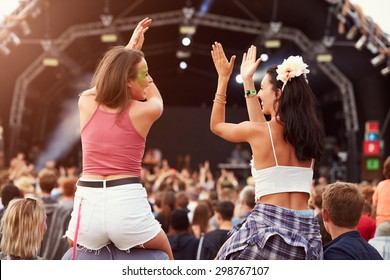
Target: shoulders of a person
x,y
260,127
335,254
215,239
350,246
50,204
182,236
87,102
182,241
189,239
382,184
339,248
212,235
143,106
332,253
344,240
148,111
88,96
379,240
91,92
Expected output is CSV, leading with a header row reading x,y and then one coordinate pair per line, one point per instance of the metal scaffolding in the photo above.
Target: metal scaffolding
x,y
171,18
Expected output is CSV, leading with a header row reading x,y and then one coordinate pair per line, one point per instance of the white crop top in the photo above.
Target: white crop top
x,y
278,179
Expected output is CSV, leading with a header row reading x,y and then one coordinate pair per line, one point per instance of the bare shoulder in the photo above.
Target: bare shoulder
x,y
147,108
87,98
257,127
88,93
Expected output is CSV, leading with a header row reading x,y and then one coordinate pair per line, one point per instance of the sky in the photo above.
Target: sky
x,y
378,10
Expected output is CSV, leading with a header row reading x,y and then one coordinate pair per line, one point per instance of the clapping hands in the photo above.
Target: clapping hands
x,y
222,65
249,63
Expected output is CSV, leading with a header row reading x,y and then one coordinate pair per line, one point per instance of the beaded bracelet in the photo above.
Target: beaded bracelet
x,y
219,101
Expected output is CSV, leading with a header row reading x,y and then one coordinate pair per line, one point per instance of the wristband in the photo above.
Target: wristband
x,y
250,93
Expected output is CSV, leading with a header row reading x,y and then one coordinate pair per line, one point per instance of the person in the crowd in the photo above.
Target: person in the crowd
x,y
211,242
342,206
316,204
23,227
116,114
284,152
200,220
247,201
183,242
381,241
366,226
381,198
54,245
25,185
8,192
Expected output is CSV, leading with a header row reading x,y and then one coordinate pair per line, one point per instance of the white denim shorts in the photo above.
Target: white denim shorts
x,y
121,215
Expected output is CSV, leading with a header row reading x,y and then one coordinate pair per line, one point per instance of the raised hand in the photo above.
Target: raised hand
x,y
138,37
222,65
249,63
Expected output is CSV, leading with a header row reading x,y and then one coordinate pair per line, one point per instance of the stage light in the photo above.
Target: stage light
x,y
183,65
187,29
36,12
324,57
188,12
106,19
373,48
15,39
272,44
275,26
46,44
4,49
378,60
360,43
109,38
385,71
183,54
328,41
50,62
239,79
352,32
186,41
264,57
25,28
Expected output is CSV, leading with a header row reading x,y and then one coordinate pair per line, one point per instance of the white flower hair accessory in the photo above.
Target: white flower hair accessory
x,y
291,67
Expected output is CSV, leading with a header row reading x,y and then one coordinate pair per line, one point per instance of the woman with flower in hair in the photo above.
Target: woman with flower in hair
x,y
23,227
284,149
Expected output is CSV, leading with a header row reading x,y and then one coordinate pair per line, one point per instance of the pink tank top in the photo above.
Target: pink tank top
x,y
111,148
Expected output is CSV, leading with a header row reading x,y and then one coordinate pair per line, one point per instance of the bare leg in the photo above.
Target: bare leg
x,y
160,242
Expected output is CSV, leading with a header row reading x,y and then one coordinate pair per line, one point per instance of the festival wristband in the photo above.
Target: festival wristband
x,y
250,93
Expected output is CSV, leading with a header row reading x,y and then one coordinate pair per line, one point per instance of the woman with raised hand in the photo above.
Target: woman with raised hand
x,y
284,149
116,115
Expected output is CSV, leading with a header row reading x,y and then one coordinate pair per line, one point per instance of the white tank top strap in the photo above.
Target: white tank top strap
x,y
272,142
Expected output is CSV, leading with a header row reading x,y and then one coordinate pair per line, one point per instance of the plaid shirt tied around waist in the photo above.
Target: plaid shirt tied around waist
x,y
267,220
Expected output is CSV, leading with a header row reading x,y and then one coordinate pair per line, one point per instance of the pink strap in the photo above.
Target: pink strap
x,y
76,233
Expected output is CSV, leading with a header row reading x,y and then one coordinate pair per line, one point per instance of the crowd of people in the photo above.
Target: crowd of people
x,y
196,213
127,203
